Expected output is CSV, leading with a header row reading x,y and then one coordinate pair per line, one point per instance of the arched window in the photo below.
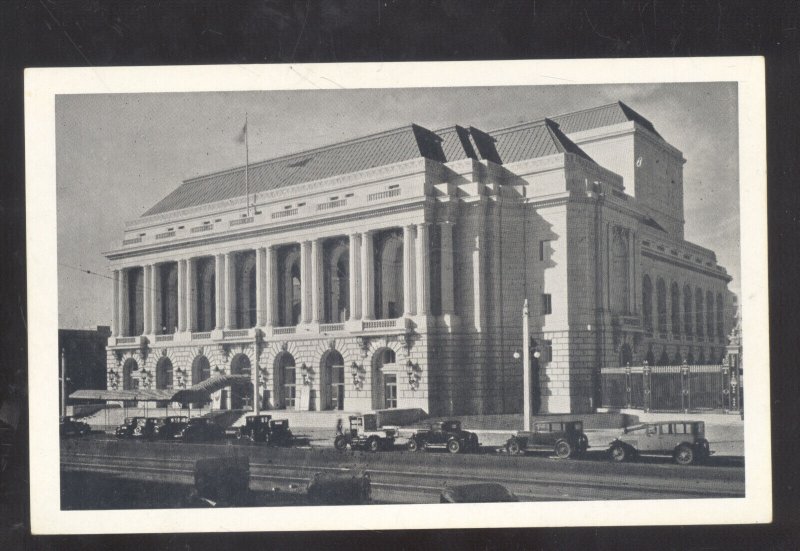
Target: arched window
x,y
336,275
620,269
710,315
289,296
128,382
384,379
661,294
720,322
698,312
169,297
164,373
136,301
201,369
690,358
389,300
245,265
647,303
206,294
687,310
675,305
332,380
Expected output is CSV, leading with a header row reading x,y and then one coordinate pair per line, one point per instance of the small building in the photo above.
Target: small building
x,y
390,270
83,353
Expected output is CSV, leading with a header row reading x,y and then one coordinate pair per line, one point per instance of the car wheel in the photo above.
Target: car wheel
x,y
453,445
618,453
513,447
373,444
684,455
413,445
340,443
563,449
239,434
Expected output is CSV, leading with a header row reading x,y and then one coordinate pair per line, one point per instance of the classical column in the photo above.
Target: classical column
x,y
115,305
355,276
447,274
367,277
146,286
260,286
409,300
123,303
219,289
191,294
305,282
155,299
316,281
230,292
181,296
422,269
272,285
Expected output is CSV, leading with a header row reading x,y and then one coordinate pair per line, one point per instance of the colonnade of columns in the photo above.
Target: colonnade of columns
x,y
416,283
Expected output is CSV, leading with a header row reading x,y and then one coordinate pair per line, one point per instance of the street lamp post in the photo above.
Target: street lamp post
x,y
526,367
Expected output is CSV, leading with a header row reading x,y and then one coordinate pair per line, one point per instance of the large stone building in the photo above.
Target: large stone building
x,y
390,270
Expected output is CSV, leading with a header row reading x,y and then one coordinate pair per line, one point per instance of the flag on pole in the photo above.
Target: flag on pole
x,y
243,134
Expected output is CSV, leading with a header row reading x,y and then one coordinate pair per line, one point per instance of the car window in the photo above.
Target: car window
x,y
652,429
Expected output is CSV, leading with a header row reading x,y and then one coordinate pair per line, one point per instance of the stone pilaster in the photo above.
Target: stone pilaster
x,y
230,292
409,300
271,284
219,289
260,276
305,282
355,276
423,273
115,306
191,294
316,281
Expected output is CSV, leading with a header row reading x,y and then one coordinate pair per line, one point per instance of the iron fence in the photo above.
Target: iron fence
x,y
671,388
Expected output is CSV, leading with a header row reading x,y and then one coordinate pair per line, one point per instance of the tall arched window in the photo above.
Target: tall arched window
x,y
720,322
710,315
620,268
285,381
647,303
169,297
136,301
687,311
289,295
675,305
245,265
389,300
698,312
206,294
164,373
661,299
336,276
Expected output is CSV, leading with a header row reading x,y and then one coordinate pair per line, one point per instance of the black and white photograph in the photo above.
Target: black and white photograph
x,y
515,286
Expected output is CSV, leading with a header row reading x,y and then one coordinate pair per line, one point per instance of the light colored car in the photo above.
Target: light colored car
x,y
684,440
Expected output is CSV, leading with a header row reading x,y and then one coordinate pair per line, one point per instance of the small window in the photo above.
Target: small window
x,y
547,351
544,249
547,304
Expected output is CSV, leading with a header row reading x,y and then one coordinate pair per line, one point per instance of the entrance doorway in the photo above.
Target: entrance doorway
x,y
384,379
332,381
241,393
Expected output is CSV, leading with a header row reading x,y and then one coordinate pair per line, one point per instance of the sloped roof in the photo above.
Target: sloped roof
x,y
603,115
393,146
531,140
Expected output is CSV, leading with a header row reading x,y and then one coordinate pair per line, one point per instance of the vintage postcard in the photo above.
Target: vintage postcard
x,y
349,296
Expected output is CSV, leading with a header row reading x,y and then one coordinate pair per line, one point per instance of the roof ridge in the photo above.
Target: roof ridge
x,y
587,109
305,152
521,125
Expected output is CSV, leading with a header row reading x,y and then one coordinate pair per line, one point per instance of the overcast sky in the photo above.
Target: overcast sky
x,y
117,155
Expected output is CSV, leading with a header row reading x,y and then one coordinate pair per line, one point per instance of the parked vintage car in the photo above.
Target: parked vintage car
x,y
168,427
564,438
364,434
125,430
145,427
263,428
200,429
69,426
483,492
444,434
684,440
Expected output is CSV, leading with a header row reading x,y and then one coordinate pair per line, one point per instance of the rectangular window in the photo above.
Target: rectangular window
x,y
547,304
544,250
547,351
390,388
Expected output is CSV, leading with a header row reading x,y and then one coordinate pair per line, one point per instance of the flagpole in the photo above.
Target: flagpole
x,y
246,166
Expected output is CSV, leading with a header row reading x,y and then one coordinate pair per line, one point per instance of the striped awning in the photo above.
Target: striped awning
x,y
197,393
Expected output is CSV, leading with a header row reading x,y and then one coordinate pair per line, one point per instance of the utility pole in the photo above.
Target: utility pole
x,y
63,382
526,367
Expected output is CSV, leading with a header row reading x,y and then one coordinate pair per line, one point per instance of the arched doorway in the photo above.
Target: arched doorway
x,y
285,381
241,394
164,373
384,379
128,382
332,369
